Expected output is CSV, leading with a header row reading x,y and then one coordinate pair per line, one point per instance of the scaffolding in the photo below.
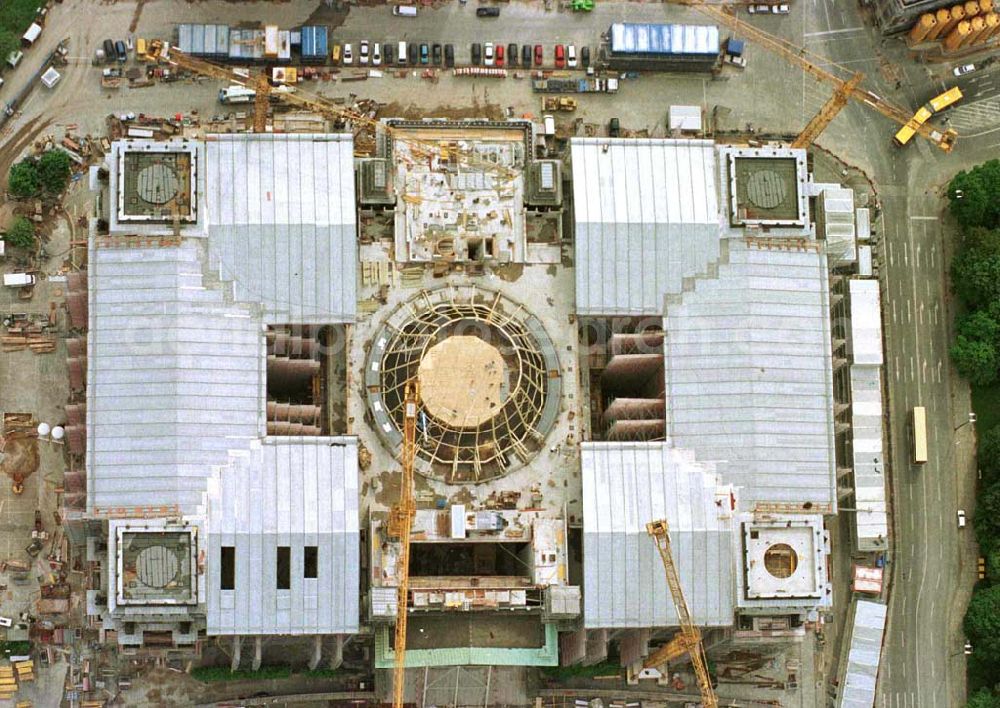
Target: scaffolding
x,y
487,379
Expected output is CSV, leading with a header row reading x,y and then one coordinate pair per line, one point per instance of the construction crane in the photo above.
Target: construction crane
x,y
400,523
422,149
810,63
688,640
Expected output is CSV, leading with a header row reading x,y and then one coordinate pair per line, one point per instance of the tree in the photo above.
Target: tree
x,y
983,698
54,171
980,326
23,180
976,268
974,196
982,623
987,520
975,360
8,43
21,233
988,455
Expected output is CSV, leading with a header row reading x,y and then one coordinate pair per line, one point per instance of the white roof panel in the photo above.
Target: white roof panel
x,y
861,671
626,485
647,217
866,322
749,374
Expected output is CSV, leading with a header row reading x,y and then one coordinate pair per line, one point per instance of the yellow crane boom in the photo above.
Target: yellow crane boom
x,y
689,638
422,148
810,63
400,524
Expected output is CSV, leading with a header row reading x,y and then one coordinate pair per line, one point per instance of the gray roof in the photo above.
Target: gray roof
x,y
647,217
871,520
626,485
292,492
749,374
860,675
175,378
281,223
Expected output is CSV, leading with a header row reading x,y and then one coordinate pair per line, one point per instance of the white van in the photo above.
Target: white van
x,y
18,280
401,53
404,11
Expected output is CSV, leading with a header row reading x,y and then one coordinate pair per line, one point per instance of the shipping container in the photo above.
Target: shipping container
x,y
271,41
203,40
662,39
314,46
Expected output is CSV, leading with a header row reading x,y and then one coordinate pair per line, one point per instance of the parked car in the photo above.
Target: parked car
x,y
401,53
968,647
477,53
526,54
449,55
961,518
781,9
363,52
488,12
348,54
759,9
376,54
436,54
964,69
488,56
512,54
335,54
109,51
121,52
425,54
388,53
571,56
560,56
614,128
585,56
539,55
412,52
499,55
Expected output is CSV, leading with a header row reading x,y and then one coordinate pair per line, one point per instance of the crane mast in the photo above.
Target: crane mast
x,y
689,638
400,524
809,63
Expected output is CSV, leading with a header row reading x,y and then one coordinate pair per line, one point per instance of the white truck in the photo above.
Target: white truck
x,y
236,94
18,280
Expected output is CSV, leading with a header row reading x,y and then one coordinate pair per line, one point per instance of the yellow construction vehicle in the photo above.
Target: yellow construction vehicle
x,y
688,640
400,523
810,63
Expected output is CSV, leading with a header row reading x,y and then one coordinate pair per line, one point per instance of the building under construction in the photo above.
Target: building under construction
x,y
644,336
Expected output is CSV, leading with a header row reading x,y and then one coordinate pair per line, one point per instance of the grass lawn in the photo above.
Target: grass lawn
x,y
986,404
17,15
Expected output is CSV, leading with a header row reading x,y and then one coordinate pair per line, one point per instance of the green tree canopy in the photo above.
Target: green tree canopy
x,y
987,521
982,623
980,326
974,196
983,698
8,43
975,360
988,455
23,179
21,233
54,171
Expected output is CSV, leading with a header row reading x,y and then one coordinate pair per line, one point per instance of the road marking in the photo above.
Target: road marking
x,y
933,253
906,259
923,372
924,218
909,314
895,368
913,369
936,306
920,313
836,31
892,259
894,311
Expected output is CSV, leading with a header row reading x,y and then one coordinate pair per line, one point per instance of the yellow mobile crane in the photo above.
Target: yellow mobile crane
x,y
810,63
688,640
400,523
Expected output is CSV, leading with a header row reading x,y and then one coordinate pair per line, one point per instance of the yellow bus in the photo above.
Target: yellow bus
x,y
918,435
948,98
